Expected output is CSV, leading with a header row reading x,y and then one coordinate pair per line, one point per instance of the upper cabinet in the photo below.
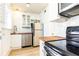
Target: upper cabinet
x,y
7,16
21,19
1,13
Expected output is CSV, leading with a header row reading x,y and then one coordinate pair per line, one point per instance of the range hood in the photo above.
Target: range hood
x,y
74,11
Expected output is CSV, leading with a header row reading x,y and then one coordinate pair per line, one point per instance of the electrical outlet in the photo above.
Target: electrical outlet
x,y
52,33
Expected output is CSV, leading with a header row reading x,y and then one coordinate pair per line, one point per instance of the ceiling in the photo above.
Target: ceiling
x,y
34,7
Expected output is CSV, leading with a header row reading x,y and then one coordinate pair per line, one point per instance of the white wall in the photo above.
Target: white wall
x,y
48,16
1,20
74,21
59,29
48,29
44,15
34,16
55,28
17,20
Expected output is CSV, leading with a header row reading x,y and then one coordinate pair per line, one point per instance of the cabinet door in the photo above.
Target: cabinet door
x,y
1,21
16,41
42,50
1,13
0,48
8,17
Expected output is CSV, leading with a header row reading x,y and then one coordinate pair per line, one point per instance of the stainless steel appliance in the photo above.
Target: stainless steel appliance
x,y
65,47
72,39
36,32
68,9
27,40
57,48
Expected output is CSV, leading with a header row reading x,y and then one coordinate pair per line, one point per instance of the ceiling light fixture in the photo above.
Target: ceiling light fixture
x,y
28,4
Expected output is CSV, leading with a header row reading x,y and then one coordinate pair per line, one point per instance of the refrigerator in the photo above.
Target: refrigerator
x,y
36,33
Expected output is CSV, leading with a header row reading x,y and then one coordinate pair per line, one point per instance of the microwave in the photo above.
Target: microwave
x,y
68,9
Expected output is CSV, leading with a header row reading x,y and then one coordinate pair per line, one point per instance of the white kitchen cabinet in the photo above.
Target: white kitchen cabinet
x,y
18,21
7,16
4,31
42,51
6,42
1,22
0,48
16,41
1,13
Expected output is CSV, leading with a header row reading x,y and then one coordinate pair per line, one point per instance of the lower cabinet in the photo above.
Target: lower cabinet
x,y
42,51
19,41
0,48
16,41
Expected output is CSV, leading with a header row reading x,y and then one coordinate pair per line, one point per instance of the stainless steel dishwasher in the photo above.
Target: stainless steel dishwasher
x,y
26,40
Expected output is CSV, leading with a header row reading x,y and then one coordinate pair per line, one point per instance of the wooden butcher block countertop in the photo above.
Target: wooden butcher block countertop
x,y
49,38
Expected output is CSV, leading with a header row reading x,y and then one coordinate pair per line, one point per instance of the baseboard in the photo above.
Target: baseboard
x,y
26,46
36,46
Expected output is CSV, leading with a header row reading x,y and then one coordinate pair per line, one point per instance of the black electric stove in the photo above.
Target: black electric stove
x,y
57,48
